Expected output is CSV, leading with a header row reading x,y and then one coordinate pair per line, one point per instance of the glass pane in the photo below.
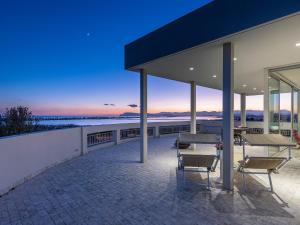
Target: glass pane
x,y
295,105
285,109
274,105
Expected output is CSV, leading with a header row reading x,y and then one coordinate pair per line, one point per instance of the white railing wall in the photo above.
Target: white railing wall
x,y
24,156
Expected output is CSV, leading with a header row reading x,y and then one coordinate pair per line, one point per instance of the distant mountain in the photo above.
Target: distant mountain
x,y
171,114
202,113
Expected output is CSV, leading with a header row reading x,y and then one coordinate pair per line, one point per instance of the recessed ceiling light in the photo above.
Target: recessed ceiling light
x,y
234,59
192,68
254,89
214,76
244,85
298,44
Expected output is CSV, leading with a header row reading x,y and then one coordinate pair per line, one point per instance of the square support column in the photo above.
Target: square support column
x,y
266,102
228,101
292,111
243,111
143,116
298,111
193,111
193,108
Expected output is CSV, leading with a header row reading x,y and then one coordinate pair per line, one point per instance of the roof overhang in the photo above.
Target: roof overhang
x,y
264,34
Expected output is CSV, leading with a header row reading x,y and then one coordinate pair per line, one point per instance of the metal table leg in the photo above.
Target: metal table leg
x,y
244,154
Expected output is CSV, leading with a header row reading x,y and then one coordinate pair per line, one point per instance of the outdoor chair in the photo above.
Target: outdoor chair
x,y
270,164
237,136
296,137
179,145
209,162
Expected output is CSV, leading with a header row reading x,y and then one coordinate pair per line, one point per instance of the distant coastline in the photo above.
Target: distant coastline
x,y
128,115
42,123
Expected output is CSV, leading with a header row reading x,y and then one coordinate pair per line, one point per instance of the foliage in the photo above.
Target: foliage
x,y
17,120
2,128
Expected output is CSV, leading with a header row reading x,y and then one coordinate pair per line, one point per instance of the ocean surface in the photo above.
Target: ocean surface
x,y
89,122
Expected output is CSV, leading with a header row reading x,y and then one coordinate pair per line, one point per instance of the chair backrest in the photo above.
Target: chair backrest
x,y
192,160
268,163
296,136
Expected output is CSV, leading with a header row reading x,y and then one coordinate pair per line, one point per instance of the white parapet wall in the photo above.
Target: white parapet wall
x,y
24,156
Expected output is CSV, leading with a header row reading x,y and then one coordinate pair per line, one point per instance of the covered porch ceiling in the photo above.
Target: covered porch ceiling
x,y
274,44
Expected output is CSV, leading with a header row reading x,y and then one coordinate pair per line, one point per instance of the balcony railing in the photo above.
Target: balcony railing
x,y
286,133
99,138
121,132
173,129
134,133
255,131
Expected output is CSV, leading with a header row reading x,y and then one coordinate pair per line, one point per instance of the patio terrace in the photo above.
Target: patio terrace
x,y
222,46
110,186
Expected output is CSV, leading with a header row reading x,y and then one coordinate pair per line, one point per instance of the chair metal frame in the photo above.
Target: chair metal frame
x,y
207,171
242,170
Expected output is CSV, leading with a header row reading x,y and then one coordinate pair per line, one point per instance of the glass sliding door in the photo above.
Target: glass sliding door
x,y
274,104
285,105
284,100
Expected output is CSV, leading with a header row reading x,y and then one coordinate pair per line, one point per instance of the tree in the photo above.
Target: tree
x,y
2,129
18,120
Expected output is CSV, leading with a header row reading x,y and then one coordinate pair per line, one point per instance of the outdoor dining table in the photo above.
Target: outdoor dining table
x,y
267,140
188,138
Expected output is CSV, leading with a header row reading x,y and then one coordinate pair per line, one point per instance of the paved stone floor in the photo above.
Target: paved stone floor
x,y
109,186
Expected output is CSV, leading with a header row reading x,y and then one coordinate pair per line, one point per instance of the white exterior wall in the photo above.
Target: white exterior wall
x,y
24,156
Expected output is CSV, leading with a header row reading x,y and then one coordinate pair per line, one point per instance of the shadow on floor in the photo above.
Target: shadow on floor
x,y
255,200
191,183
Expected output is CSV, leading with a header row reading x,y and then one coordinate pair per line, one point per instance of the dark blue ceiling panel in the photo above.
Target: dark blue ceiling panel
x,y
212,21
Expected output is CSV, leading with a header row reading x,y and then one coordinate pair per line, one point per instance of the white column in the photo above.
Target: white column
x,y
84,144
193,110
193,107
298,111
117,136
228,101
243,110
83,149
156,131
143,116
292,112
266,102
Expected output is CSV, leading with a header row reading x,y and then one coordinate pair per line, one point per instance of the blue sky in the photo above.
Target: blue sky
x,y
66,57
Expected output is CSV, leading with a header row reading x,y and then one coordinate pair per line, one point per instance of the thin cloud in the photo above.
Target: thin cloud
x,y
109,104
133,105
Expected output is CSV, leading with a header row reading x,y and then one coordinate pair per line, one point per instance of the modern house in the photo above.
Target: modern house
x,y
246,47
92,174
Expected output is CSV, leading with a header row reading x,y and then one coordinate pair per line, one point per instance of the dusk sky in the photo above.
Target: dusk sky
x,y
67,57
